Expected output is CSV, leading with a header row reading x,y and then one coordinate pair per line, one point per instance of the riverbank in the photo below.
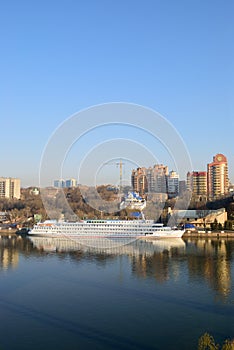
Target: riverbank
x,y
11,232
209,234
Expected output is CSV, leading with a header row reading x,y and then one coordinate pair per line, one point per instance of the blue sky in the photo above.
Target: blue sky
x,y
58,57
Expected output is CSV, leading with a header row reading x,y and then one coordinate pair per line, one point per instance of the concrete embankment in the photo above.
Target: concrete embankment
x,y
8,232
209,234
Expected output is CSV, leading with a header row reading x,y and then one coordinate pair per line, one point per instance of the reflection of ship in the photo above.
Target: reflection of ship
x,y
105,245
169,243
133,201
104,228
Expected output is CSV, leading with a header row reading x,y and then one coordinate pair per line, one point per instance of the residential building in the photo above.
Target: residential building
x,y
182,187
217,176
59,183
197,184
71,183
173,183
157,178
139,181
9,188
150,180
189,181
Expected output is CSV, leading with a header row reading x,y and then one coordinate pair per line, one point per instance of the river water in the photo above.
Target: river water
x,y
59,294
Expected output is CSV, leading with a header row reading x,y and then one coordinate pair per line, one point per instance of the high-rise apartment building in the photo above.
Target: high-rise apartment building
x,y
217,173
157,178
152,180
173,183
197,183
200,183
9,188
189,181
182,187
139,181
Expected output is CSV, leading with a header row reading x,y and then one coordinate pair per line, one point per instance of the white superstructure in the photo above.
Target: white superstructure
x,y
104,228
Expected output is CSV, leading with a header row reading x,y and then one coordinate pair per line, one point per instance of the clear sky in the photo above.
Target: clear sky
x,y
58,57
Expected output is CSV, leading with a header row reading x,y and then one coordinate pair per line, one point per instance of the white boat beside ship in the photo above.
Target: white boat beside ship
x,y
105,228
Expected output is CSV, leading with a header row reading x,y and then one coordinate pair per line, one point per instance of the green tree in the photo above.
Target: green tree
x,y
228,225
214,225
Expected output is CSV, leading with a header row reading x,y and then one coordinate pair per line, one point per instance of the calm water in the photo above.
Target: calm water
x,y
161,295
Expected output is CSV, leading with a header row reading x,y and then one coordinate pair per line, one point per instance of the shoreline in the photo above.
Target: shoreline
x,y
8,233
215,234
194,234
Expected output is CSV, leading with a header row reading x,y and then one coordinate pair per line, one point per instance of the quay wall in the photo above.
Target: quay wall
x,y
214,234
8,232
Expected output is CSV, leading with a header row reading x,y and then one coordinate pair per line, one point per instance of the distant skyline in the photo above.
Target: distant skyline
x,y
57,58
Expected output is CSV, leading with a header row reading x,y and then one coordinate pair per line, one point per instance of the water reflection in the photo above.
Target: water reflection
x,y
209,261
9,255
107,246
212,259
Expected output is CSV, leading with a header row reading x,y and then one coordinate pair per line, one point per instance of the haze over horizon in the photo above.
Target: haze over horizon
x,y
59,58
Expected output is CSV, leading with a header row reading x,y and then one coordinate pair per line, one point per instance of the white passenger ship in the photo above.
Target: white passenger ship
x,y
105,228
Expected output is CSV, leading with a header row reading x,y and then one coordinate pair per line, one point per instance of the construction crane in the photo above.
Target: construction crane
x,y
120,165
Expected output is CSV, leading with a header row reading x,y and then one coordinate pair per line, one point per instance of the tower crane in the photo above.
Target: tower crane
x,y
119,164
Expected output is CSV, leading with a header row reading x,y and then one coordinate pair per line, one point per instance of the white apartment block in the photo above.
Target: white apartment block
x,y
61,183
71,183
173,183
